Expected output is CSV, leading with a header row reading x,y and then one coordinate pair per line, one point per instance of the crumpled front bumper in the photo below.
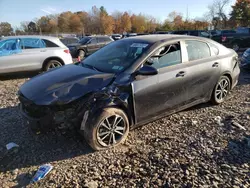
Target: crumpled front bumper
x,y
38,124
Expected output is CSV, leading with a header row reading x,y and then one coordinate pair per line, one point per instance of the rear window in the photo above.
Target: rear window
x,y
49,44
197,50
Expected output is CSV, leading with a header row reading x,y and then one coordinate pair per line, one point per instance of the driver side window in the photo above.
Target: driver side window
x,y
166,56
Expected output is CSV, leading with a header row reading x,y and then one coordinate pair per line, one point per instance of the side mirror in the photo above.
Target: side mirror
x,y
147,70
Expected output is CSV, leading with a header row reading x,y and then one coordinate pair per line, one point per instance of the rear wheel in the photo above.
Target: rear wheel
x,y
52,64
109,129
221,90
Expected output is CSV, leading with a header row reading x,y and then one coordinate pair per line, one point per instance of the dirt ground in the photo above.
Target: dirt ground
x,y
187,149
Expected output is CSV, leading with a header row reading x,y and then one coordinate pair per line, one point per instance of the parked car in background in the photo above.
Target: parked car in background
x,y
116,36
162,32
219,33
140,34
88,45
245,59
69,40
130,35
234,39
213,33
128,83
32,53
198,33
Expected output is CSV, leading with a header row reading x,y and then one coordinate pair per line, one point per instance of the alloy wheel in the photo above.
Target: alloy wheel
x,y
111,130
53,65
222,89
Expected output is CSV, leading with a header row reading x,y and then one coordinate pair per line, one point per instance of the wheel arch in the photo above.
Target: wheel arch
x,y
227,74
52,58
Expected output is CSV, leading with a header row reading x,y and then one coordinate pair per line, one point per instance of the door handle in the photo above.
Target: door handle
x,y
215,65
181,74
43,50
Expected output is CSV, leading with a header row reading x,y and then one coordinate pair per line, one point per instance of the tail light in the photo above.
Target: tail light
x,y
66,51
223,39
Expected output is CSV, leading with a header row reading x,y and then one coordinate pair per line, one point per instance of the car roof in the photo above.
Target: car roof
x,y
31,36
163,37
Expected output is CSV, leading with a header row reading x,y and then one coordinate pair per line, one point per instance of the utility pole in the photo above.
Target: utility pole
x,y
187,14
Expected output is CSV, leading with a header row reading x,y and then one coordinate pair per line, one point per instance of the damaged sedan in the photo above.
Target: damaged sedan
x,y
129,83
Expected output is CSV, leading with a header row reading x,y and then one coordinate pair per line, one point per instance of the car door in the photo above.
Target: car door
x,y
164,92
101,41
202,70
33,52
10,55
92,46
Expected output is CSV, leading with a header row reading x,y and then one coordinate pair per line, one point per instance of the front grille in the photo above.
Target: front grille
x,y
31,109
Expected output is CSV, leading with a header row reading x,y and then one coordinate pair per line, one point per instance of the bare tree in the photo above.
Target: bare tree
x,y
217,13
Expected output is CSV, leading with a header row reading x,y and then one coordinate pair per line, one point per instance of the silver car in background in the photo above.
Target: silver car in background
x,y
32,53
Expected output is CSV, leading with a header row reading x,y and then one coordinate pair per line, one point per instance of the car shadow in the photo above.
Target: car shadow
x,y
19,75
244,78
237,152
35,149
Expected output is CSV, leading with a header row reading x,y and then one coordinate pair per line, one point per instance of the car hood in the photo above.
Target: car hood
x,y
63,85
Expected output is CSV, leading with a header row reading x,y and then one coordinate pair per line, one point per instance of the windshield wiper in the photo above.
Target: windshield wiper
x,y
91,67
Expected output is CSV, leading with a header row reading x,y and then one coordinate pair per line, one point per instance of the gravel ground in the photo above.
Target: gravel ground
x,y
187,149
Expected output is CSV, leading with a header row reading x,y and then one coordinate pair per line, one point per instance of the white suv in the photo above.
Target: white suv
x,y
32,53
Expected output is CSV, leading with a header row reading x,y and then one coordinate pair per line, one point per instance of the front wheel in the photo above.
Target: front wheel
x,y
108,129
221,90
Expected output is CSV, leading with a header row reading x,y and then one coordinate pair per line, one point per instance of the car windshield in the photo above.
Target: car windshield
x,y
84,40
117,56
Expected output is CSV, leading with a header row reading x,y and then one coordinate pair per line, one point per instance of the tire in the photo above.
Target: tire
x,y
236,47
219,94
81,53
99,125
52,64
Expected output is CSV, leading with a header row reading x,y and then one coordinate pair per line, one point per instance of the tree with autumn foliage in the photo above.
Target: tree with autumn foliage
x,y
99,21
64,20
241,13
138,23
107,22
125,22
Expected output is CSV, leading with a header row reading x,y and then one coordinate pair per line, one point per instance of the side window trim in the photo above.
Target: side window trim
x,y
210,46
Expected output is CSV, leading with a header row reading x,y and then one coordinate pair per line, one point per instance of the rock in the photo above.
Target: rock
x,y
218,120
194,122
92,184
14,172
234,123
225,166
157,155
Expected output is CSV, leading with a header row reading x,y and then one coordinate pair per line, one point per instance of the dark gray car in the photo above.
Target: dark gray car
x,y
128,83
